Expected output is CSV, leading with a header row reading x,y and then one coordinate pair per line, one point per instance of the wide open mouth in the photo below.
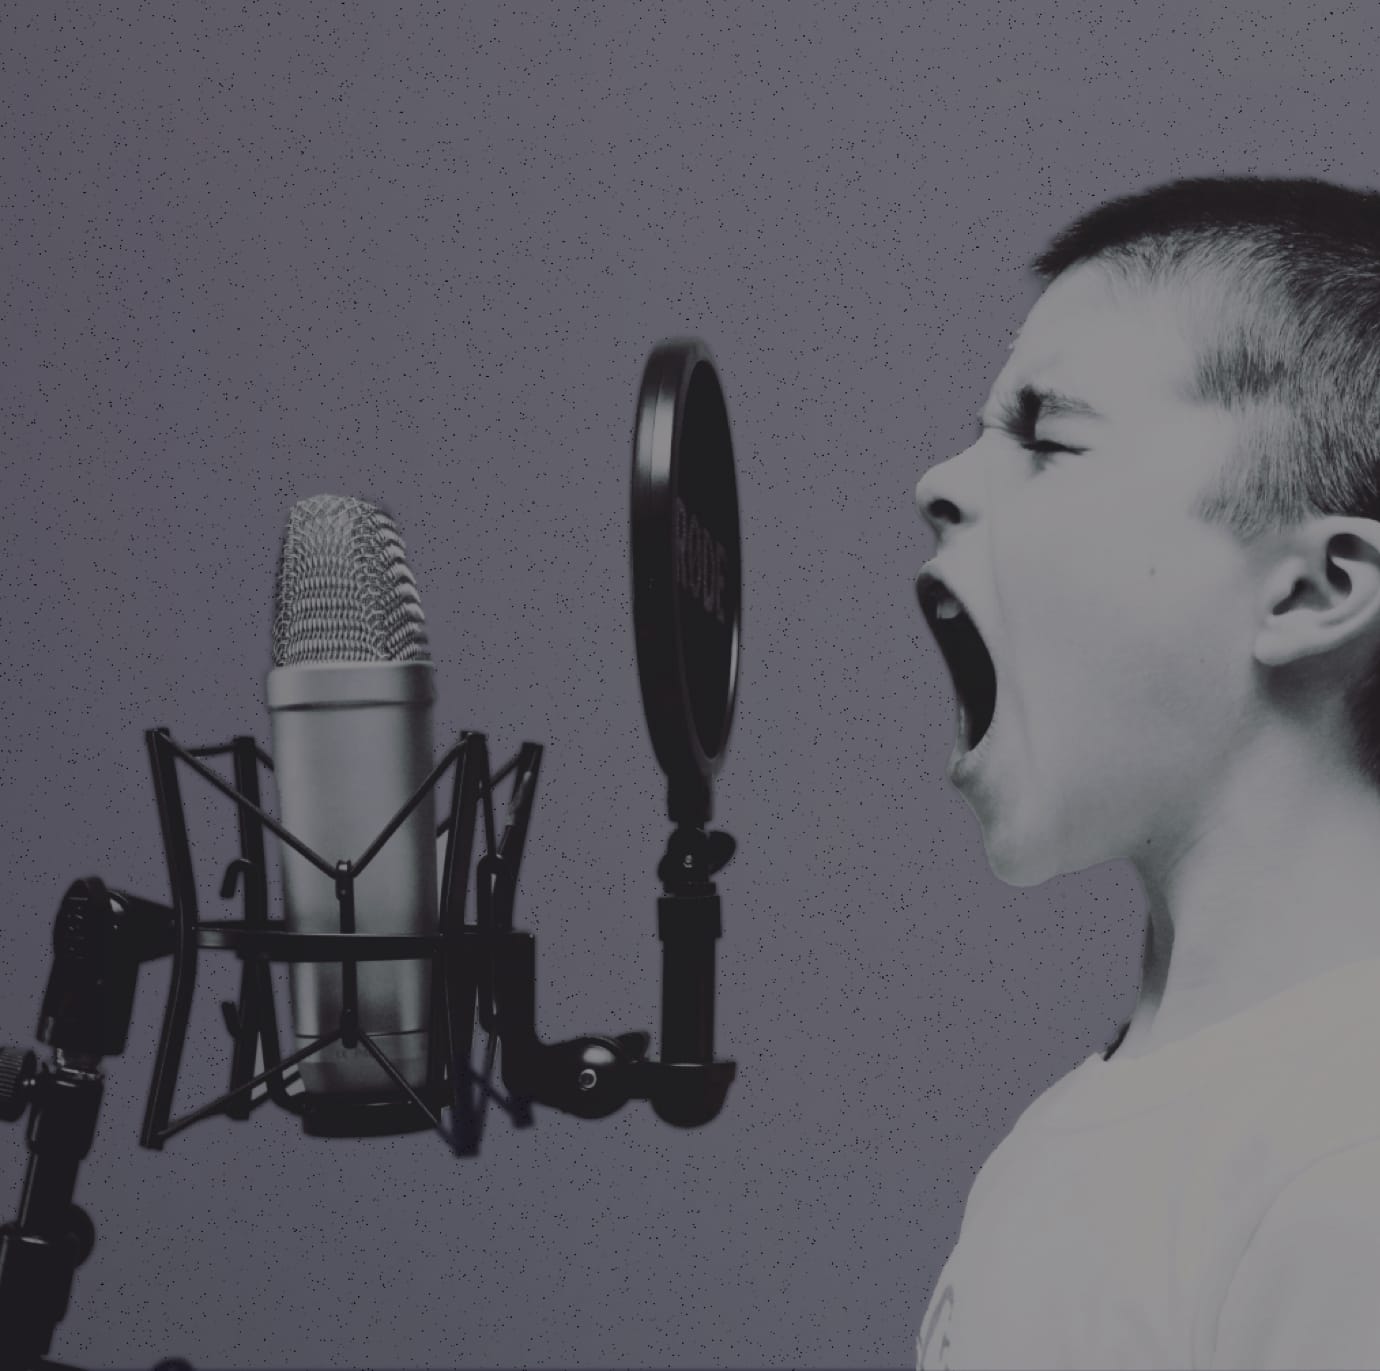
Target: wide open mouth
x,y
969,662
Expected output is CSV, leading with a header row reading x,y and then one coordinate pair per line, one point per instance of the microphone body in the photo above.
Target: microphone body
x,y
352,741
350,698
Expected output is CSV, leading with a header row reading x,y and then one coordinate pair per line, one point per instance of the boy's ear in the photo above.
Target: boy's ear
x,y
1323,591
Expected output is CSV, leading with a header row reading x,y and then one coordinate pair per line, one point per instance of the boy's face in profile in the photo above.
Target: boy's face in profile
x,y
1119,622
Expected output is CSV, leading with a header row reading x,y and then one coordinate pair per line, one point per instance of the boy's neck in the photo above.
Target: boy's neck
x,y
1278,883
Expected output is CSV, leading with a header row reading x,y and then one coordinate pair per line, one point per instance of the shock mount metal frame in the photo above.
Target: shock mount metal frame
x,y
483,970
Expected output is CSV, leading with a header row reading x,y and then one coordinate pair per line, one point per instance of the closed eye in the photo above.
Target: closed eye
x,y
1023,431
1042,449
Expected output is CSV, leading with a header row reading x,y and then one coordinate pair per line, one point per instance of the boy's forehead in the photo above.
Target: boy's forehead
x,y
1093,330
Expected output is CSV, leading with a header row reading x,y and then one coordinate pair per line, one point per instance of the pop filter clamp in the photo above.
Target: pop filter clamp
x,y
686,565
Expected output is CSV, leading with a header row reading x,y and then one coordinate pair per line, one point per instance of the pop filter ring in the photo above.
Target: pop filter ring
x,y
686,570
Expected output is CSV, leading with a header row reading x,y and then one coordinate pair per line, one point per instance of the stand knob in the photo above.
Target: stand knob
x,y
18,1067
590,1077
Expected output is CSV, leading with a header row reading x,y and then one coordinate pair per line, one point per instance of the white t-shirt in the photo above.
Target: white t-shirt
x,y
1214,1203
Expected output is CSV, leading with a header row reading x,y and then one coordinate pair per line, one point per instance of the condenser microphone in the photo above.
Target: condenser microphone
x,y
350,697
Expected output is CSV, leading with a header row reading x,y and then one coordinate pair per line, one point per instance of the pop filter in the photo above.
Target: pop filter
x,y
686,570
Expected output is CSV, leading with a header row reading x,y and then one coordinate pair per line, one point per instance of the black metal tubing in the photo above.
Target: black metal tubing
x,y
256,1021
514,840
51,1237
498,871
170,1041
349,981
173,750
278,943
400,818
218,1105
687,984
454,982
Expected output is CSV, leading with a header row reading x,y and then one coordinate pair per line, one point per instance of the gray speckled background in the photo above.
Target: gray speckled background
x,y
419,254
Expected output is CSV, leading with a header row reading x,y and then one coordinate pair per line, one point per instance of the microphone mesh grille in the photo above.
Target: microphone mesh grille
x,y
344,591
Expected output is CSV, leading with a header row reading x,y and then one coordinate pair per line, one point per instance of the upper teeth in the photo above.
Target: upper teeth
x,y
947,608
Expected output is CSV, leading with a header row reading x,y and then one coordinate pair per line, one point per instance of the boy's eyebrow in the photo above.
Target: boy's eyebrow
x,y
1019,413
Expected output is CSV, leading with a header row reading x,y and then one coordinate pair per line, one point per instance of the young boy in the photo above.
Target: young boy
x,y
1157,584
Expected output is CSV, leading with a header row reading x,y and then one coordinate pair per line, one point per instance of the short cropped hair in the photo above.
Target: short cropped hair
x,y
1288,276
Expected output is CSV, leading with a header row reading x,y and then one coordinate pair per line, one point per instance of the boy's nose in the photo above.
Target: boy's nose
x,y
943,498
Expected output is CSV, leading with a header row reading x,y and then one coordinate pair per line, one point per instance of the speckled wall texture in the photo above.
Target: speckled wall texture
x,y
419,254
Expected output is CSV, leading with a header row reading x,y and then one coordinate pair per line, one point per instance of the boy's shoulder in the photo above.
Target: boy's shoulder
x,y
1206,1166
1253,1100
1028,1125
1302,1289
1298,1077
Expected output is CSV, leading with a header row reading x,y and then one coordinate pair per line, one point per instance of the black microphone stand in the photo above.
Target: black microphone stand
x,y
485,969
687,593
98,946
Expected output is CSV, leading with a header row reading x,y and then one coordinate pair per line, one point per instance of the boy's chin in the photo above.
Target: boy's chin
x,y
1029,859
1021,875
1028,844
